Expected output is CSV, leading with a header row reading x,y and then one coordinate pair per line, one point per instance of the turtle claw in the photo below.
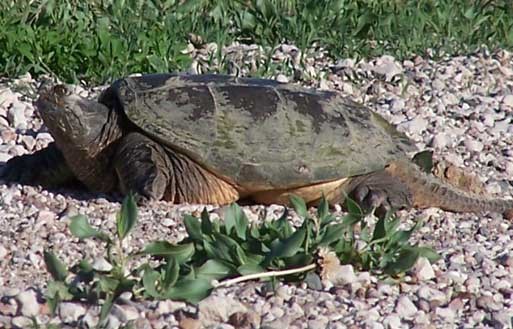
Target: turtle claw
x,y
380,193
371,200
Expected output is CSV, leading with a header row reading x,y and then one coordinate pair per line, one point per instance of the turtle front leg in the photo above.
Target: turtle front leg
x,y
46,167
143,167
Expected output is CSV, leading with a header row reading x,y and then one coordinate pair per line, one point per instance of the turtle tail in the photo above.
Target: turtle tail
x,y
430,191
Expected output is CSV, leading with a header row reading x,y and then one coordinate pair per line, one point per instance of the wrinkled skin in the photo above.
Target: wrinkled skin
x,y
216,139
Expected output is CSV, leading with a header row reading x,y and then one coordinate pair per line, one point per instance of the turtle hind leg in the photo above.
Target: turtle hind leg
x,y
153,172
46,167
380,191
429,191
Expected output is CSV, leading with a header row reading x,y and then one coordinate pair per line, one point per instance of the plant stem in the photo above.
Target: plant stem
x,y
263,275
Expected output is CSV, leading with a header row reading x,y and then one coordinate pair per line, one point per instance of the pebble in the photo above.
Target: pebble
x,y
392,321
434,296
70,312
416,125
467,120
440,141
508,100
446,313
28,303
405,307
473,145
16,116
102,265
423,270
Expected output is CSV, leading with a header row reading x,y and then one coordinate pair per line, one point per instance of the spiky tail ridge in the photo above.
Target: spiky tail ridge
x,y
429,191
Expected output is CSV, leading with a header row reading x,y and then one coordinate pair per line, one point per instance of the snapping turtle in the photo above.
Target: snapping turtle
x,y
216,139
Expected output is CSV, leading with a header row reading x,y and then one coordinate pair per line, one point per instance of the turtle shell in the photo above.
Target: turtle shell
x,y
259,133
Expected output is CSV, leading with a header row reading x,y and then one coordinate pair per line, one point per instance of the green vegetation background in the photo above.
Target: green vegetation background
x,y
100,40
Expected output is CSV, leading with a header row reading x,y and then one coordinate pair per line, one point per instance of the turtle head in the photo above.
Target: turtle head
x,y
74,121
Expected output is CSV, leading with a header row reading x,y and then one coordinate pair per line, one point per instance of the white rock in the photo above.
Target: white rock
x,y
392,321
16,116
22,322
423,270
405,307
70,312
388,67
282,78
450,99
4,157
509,168
376,325
28,141
457,277
344,275
473,145
416,125
215,309
440,141
508,100
398,104
101,264
125,313
432,295
28,303
445,313
169,306
44,137
3,252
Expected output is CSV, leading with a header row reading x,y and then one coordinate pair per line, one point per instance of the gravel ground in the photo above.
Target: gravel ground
x,y
461,107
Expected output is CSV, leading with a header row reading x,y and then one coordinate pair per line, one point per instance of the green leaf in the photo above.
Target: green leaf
x,y
283,226
193,227
405,260
191,291
108,284
299,206
149,280
127,218
206,224
288,247
250,269
55,266
80,227
218,250
323,210
379,229
428,253
58,290
106,307
181,252
236,218
332,233
424,160
353,208
213,269
172,270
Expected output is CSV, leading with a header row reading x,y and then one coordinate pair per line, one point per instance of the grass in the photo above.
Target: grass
x,y
100,40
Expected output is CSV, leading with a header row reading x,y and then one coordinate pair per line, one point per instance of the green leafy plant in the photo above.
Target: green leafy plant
x,y
219,253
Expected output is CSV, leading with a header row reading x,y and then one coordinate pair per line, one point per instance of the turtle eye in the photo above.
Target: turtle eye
x,y
60,90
